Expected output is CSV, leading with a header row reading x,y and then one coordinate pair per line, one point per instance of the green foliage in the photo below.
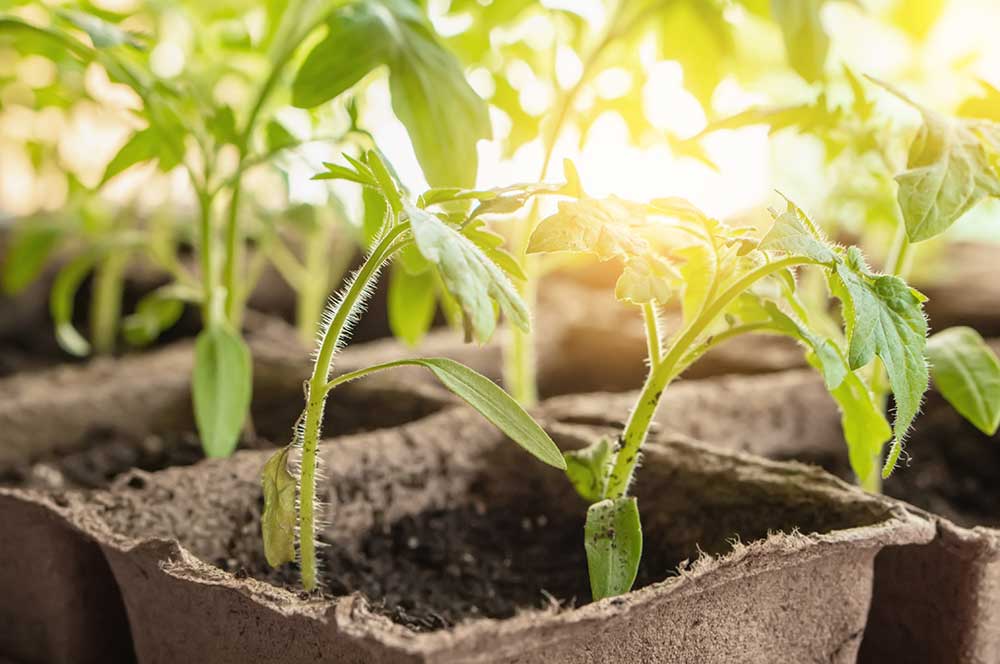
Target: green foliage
x,y
277,522
587,469
444,116
31,246
412,303
967,373
221,389
613,541
806,41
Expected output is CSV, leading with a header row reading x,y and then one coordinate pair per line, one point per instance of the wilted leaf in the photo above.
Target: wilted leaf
x,y
277,523
967,373
472,278
613,541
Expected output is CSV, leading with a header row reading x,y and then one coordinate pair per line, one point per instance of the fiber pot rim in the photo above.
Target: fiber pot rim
x,y
895,524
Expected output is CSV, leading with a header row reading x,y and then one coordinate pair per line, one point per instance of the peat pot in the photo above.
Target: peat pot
x,y
446,543
935,602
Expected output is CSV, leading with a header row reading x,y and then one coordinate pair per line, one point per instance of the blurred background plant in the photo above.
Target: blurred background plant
x,y
236,104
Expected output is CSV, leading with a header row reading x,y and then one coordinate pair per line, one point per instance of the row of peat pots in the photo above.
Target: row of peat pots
x,y
443,543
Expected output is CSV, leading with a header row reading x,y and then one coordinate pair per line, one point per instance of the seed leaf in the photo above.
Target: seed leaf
x,y
412,302
884,317
613,541
468,274
221,388
967,373
587,469
277,523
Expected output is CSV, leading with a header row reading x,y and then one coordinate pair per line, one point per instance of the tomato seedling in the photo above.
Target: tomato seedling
x,y
728,283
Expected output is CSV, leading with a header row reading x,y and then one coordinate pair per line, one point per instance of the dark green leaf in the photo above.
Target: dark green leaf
x,y
613,541
967,373
277,523
221,389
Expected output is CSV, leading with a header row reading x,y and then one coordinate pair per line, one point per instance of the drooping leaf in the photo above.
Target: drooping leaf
x,y
885,317
806,40
221,389
277,523
155,312
588,468
967,373
865,428
490,400
61,298
412,303
948,170
474,280
31,244
613,541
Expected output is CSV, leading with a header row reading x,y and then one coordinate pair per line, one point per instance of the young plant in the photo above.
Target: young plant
x,y
471,265
729,283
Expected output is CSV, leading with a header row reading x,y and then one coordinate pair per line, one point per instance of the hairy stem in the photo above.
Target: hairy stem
x,y
653,339
317,391
675,361
106,302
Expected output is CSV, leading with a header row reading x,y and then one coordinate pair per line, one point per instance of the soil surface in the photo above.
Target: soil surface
x,y
438,568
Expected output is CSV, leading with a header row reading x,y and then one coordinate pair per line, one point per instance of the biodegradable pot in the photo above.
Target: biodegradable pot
x,y
184,545
937,602
965,289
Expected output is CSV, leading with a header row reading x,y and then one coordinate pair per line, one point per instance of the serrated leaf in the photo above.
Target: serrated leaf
x,y
606,228
967,373
647,279
411,304
221,389
865,428
277,522
885,317
794,235
613,541
588,468
472,278
949,170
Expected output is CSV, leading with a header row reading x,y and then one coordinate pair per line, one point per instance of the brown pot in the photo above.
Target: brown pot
x,y
782,555
964,289
937,602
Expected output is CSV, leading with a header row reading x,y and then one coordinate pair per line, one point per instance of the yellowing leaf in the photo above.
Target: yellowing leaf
x,y
647,279
277,523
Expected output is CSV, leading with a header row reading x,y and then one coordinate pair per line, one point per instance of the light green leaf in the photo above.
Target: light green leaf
x,y
154,313
806,41
885,317
967,373
277,523
278,137
647,279
31,244
486,397
613,541
792,233
696,34
142,146
102,33
949,170
492,245
61,298
221,389
472,278
865,428
412,303
607,228
588,468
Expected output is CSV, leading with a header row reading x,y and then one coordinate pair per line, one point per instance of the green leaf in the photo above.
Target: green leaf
x,y
412,303
154,313
468,274
794,234
647,279
357,42
222,125
277,523
101,32
30,247
806,42
607,228
491,244
696,34
588,468
949,170
885,317
613,541
221,389
61,298
967,373
278,138
865,428
144,145
486,397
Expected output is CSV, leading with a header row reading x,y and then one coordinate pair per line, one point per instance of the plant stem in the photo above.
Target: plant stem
x,y
653,339
106,302
316,399
669,367
210,306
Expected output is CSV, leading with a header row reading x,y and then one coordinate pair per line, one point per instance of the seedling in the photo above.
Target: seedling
x,y
728,283
471,265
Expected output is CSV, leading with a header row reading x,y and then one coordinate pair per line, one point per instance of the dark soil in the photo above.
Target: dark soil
x,y
107,455
953,470
442,567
